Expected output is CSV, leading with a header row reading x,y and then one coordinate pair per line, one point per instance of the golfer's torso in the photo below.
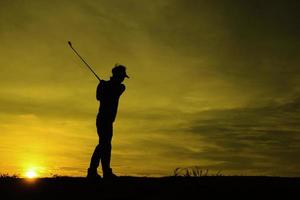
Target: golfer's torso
x,y
108,93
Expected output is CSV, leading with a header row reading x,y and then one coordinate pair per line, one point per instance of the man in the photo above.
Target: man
x,y
108,93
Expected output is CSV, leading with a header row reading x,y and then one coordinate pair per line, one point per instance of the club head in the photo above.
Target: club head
x,y
69,42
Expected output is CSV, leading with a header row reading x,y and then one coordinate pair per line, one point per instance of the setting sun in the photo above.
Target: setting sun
x,y
31,174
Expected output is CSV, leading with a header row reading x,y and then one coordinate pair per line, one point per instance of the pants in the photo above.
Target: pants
x,y
103,149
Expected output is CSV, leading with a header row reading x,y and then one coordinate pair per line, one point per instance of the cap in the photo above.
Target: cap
x,y
119,70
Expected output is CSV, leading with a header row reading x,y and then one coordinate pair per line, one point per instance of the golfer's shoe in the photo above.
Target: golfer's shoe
x,y
109,175
93,175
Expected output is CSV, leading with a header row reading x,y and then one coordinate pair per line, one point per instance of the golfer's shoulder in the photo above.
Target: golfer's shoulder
x,y
103,83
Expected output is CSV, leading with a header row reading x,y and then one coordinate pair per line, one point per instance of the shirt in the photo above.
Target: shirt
x,y
108,93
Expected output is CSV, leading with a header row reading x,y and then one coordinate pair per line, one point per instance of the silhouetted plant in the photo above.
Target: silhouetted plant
x,y
59,176
219,173
194,171
7,176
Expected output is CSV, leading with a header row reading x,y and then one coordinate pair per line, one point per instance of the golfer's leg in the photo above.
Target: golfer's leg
x,y
106,149
105,157
95,158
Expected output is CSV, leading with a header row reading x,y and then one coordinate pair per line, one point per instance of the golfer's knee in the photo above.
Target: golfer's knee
x,y
98,147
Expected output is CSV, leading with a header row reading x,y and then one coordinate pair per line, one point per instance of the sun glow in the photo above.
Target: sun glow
x,y
31,174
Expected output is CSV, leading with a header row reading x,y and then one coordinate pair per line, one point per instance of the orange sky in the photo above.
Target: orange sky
x,y
213,84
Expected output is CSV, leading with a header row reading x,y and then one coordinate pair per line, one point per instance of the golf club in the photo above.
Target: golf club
x,y
70,44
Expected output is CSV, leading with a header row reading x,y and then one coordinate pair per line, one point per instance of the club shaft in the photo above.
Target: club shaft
x,y
84,62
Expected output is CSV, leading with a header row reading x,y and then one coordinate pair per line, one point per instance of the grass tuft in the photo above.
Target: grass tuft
x,y
194,171
7,176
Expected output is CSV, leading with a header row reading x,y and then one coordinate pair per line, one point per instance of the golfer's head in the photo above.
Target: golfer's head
x,y
119,72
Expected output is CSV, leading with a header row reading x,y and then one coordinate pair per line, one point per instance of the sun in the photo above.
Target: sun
x,y
31,174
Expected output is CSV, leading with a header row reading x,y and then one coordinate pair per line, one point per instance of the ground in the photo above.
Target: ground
x,y
150,188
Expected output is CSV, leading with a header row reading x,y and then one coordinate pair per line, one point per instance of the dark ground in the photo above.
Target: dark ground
x,y
151,188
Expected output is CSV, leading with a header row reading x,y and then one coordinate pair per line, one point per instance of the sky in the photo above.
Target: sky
x,y
214,84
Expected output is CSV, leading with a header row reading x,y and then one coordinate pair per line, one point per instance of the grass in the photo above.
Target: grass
x,y
203,184
7,176
194,171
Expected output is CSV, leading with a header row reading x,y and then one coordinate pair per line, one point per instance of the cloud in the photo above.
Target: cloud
x,y
264,137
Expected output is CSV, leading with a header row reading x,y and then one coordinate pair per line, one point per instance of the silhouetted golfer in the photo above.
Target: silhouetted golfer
x,y
108,93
